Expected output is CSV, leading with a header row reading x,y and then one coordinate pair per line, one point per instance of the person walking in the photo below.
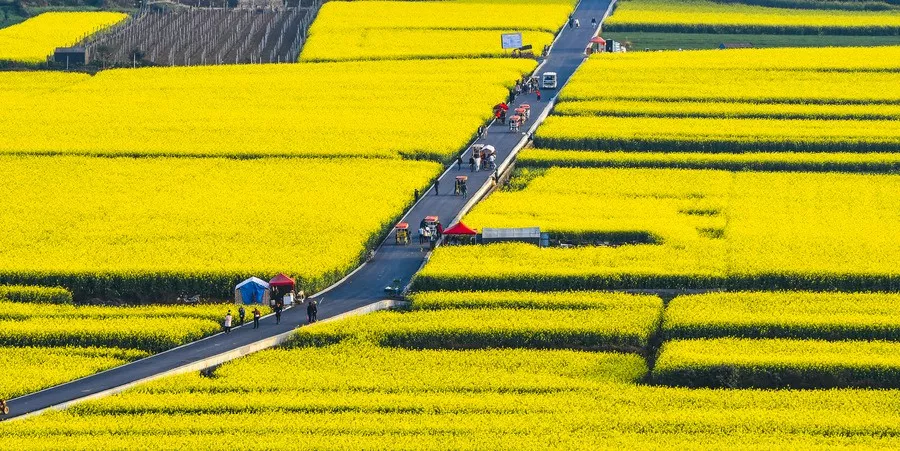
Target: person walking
x,y
421,235
459,163
538,92
437,187
577,24
416,195
278,308
241,314
311,310
256,316
593,22
227,322
465,192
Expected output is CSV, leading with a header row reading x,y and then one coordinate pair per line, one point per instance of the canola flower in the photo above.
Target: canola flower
x,y
197,221
778,363
706,229
444,300
35,39
365,397
327,109
703,16
718,135
434,29
785,314
754,161
34,294
650,108
625,326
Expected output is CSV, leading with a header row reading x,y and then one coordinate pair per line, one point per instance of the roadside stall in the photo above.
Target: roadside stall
x,y
597,44
252,291
401,234
282,287
460,233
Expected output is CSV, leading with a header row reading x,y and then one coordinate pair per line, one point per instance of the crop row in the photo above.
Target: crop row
x,y
751,161
587,300
778,363
703,16
34,294
341,397
739,110
667,134
624,326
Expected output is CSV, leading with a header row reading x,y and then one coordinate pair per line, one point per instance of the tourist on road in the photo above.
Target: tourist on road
x,y
421,235
256,316
227,323
459,163
538,92
416,194
577,24
241,313
464,190
593,22
472,163
437,187
440,230
278,308
311,310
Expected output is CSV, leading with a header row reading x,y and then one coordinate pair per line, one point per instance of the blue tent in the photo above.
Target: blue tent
x,y
252,291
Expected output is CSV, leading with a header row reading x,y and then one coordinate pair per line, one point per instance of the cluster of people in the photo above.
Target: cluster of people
x,y
430,233
312,310
482,160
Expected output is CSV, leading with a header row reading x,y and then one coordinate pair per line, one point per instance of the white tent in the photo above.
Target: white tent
x,y
252,291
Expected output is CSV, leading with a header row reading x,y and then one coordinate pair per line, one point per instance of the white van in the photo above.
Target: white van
x,y
548,80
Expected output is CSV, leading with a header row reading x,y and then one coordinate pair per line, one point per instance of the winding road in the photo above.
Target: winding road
x,y
364,286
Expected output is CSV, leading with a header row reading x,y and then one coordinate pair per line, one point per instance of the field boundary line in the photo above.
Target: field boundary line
x,y
218,359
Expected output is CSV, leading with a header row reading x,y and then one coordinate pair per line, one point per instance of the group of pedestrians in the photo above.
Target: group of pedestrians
x,y
312,310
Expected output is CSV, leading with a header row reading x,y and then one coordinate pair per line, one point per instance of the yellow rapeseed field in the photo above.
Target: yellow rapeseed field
x,y
384,109
431,29
357,397
760,101
703,16
705,229
195,224
757,161
35,39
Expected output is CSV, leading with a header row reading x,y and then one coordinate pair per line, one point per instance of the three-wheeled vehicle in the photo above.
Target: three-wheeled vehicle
x,y
401,234
431,223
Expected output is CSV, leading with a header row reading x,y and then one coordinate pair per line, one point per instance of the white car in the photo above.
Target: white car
x,y
548,80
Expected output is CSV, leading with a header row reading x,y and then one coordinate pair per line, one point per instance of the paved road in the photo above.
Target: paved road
x,y
366,285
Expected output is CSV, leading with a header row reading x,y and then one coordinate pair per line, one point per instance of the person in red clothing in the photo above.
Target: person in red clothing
x,y
538,92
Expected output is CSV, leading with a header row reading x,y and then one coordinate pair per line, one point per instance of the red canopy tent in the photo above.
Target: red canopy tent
x,y
281,280
460,229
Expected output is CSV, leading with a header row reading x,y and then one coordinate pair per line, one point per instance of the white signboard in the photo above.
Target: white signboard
x,y
511,40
